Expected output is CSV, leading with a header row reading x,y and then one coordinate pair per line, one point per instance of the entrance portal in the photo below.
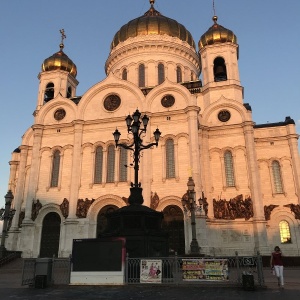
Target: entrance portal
x,y
101,218
50,235
173,224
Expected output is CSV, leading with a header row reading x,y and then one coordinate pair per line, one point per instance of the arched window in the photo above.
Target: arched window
x,y
229,173
179,74
161,73
142,75
98,165
55,169
124,74
69,92
49,92
220,73
110,164
277,177
285,234
123,164
170,159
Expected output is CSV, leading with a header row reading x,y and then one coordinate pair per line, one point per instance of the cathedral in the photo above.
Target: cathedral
x,y
67,174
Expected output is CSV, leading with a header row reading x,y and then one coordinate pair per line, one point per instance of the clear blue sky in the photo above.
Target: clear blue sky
x,y
268,33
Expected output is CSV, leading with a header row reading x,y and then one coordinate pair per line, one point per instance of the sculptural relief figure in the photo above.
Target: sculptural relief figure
x,y
21,218
83,207
295,208
268,210
235,208
36,206
154,201
64,207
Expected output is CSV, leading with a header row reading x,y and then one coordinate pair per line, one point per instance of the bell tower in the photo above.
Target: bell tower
x,y
58,76
219,53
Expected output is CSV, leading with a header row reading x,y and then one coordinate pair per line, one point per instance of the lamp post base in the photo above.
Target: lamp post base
x,y
2,252
195,249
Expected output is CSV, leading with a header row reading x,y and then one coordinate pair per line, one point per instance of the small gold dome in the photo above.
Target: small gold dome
x,y
152,22
59,61
217,34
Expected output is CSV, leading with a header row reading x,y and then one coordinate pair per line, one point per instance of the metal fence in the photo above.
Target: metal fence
x,y
172,271
59,272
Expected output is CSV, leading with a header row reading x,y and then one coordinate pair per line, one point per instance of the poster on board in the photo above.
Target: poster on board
x,y
205,269
151,271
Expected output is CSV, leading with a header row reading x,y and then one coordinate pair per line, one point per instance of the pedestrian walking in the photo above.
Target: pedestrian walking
x,y
277,265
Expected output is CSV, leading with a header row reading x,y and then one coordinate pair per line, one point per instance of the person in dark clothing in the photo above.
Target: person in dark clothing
x,y
277,265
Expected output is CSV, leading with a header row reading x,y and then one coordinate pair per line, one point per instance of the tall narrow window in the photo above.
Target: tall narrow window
x,y
123,165
124,74
228,162
111,164
141,75
285,234
170,159
277,177
69,92
220,72
49,92
179,74
55,169
98,165
161,73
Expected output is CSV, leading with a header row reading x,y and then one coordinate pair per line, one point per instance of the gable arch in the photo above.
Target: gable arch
x,y
101,202
169,200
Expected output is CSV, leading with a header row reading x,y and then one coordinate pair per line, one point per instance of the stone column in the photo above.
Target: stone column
x,y
71,223
194,153
34,170
293,145
27,239
259,222
19,189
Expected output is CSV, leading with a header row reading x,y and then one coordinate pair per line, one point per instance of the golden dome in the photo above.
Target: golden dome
x,y
217,34
152,22
59,61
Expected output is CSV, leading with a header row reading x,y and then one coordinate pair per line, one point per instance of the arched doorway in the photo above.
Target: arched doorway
x,y
173,224
101,218
50,235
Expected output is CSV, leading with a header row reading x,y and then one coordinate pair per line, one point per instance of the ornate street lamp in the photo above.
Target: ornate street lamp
x,y
189,204
134,123
6,214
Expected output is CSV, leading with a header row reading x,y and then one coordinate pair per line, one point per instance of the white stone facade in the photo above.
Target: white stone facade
x,y
200,144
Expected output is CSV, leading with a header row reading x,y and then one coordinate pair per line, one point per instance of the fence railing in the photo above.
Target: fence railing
x,y
172,271
59,270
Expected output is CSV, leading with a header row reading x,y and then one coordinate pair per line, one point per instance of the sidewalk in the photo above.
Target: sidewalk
x,y
11,275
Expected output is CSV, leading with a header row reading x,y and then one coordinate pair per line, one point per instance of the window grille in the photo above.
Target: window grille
x,y
123,164
229,173
55,169
141,75
277,177
124,74
111,164
161,73
179,74
98,165
285,234
170,161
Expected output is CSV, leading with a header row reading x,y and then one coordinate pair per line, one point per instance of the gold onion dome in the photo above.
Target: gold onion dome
x,y
217,34
59,61
152,23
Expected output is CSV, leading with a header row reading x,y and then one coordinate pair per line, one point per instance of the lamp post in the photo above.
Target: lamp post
x,y
6,214
189,204
134,123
